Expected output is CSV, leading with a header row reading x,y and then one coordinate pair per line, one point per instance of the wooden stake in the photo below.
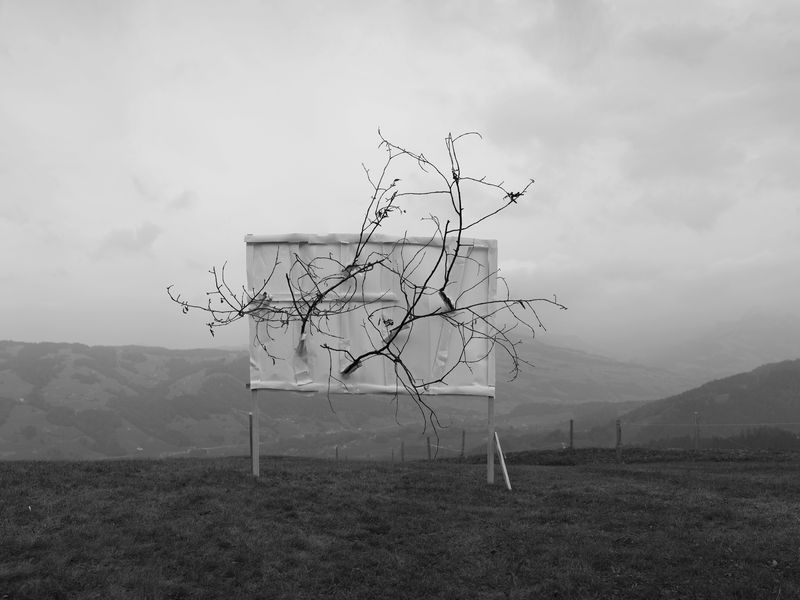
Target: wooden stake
x,y
571,447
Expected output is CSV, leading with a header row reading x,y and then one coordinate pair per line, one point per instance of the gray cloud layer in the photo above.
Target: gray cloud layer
x,y
663,138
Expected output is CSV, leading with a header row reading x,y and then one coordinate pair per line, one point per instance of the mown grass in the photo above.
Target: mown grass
x,y
203,528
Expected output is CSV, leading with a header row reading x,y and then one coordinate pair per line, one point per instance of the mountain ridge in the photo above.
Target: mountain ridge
x,y
767,396
71,400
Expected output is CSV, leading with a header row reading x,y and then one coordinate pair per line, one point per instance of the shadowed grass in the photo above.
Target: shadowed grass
x,y
203,528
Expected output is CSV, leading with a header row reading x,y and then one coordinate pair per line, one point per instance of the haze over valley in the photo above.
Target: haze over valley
x,y
60,400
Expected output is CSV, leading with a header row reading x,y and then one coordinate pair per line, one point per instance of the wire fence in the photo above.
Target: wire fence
x,y
691,434
389,444
410,449
464,443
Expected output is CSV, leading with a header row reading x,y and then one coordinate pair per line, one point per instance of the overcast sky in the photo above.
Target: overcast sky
x,y
141,140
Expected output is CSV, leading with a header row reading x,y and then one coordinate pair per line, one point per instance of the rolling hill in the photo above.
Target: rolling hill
x,y
768,396
60,400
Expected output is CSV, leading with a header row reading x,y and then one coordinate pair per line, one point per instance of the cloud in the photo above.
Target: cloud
x,y
662,137
684,146
128,242
568,36
183,201
142,190
679,202
14,213
151,193
688,43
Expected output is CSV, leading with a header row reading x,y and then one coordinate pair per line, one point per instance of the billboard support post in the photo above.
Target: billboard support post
x,y
490,443
255,450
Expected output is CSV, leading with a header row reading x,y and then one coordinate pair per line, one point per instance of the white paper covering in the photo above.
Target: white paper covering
x,y
434,346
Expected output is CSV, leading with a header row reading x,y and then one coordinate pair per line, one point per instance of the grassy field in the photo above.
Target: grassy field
x,y
667,527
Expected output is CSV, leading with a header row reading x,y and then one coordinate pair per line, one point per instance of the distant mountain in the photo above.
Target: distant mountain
x,y
61,400
75,401
565,375
732,347
766,396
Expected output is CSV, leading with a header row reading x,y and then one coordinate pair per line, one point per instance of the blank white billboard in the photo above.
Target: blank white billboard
x,y
359,313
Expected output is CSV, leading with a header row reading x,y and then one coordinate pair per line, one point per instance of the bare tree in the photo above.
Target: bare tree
x,y
322,287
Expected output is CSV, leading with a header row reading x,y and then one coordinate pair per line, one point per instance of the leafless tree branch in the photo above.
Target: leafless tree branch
x,y
323,288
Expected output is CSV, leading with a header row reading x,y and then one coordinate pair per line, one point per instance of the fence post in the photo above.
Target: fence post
x,y
571,447
619,441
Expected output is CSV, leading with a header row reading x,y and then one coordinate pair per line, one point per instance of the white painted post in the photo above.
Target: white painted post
x,y
490,444
254,438
250,435
502,461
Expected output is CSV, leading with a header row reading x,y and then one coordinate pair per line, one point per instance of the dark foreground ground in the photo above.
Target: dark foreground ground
x,y
657,526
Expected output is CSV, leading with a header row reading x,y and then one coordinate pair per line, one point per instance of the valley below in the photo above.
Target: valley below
x,y
75,402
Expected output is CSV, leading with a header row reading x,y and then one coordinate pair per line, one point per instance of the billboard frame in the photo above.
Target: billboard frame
x,y
478,278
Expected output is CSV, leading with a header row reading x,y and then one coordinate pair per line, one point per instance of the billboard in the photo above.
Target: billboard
x,y
327,300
